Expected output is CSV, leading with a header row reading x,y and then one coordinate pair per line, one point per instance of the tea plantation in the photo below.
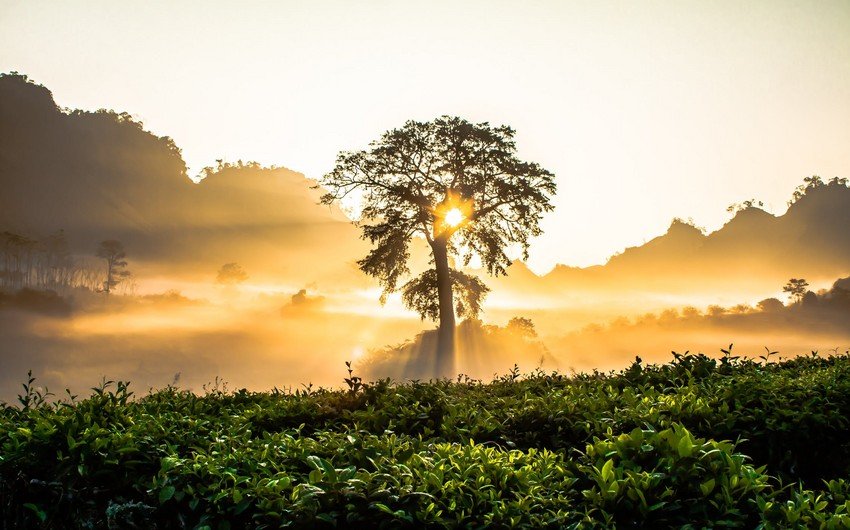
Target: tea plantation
x,y
699,442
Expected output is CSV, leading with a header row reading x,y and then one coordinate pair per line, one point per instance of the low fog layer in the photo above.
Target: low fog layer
x,y
812,322
249,340
260,341
244,276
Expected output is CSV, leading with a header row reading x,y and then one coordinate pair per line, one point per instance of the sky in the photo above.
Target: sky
x,y
645,111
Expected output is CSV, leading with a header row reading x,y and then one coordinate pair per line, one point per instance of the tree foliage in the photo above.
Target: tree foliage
x,y
796,288
410,178
231,274
420,294
113,252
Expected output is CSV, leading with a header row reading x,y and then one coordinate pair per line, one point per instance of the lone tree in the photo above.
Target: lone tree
x,y
796,289
231,274
460,187
113,252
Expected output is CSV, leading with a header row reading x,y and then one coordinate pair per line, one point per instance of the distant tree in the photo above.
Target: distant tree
x,y
746,205
809,184
231,274
57,264
18,258
458,186
222,166
770,305
128,285
796,289
809,299
113,252
522,327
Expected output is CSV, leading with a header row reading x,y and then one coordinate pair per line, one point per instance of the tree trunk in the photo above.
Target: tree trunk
x,y
108,285
445,361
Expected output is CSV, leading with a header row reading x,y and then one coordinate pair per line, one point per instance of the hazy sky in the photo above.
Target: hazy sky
x,y
644,110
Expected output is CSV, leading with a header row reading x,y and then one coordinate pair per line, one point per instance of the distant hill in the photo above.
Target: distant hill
x,y
100,175
754,251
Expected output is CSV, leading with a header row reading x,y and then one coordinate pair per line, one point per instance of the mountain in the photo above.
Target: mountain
x,y
754,252
100,175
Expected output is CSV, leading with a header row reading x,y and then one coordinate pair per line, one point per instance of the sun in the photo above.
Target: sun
x,y
454,217
451,214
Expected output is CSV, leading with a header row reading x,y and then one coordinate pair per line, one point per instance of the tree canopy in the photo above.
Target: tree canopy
x,y
456,184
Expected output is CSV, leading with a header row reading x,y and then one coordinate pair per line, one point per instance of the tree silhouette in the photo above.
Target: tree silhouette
x,y
455,184
113,252
231,274
796,289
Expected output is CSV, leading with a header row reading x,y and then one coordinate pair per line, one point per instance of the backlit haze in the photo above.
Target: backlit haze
x,y
646,112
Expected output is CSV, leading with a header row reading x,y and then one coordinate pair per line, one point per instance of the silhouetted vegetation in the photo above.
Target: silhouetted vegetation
x,y
727,442
823,316
796,289
815,182
45,264
116,266
460,187
231,274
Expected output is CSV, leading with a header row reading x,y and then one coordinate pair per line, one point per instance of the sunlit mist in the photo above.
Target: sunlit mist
x,y
699,151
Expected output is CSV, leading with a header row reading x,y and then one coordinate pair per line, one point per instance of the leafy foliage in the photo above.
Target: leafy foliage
x,y
410,178
112,251
796,288
231,274
420,294
728,442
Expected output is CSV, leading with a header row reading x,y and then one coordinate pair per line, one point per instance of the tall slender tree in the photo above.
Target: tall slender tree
x,y
113,252
460,187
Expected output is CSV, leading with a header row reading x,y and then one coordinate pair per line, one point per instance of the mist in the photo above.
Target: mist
x,y
241,275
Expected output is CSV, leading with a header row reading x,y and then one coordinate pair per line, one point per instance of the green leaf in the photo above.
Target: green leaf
x,y
707,487
42,516
165,494
608,470
315,476
314,461
242,506
686,447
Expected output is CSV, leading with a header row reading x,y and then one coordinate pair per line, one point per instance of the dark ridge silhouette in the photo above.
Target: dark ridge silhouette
x,y
100,175
751,253
86,172
45,302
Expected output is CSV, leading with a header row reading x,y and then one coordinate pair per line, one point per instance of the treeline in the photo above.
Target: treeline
x,y
47,264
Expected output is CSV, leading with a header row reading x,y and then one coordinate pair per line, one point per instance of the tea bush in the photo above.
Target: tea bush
x,y
696,442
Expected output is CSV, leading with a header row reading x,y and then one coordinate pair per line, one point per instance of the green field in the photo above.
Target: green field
x,y
698,442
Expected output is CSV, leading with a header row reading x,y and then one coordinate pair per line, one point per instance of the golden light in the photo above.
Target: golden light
x,y
454,217
452,213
